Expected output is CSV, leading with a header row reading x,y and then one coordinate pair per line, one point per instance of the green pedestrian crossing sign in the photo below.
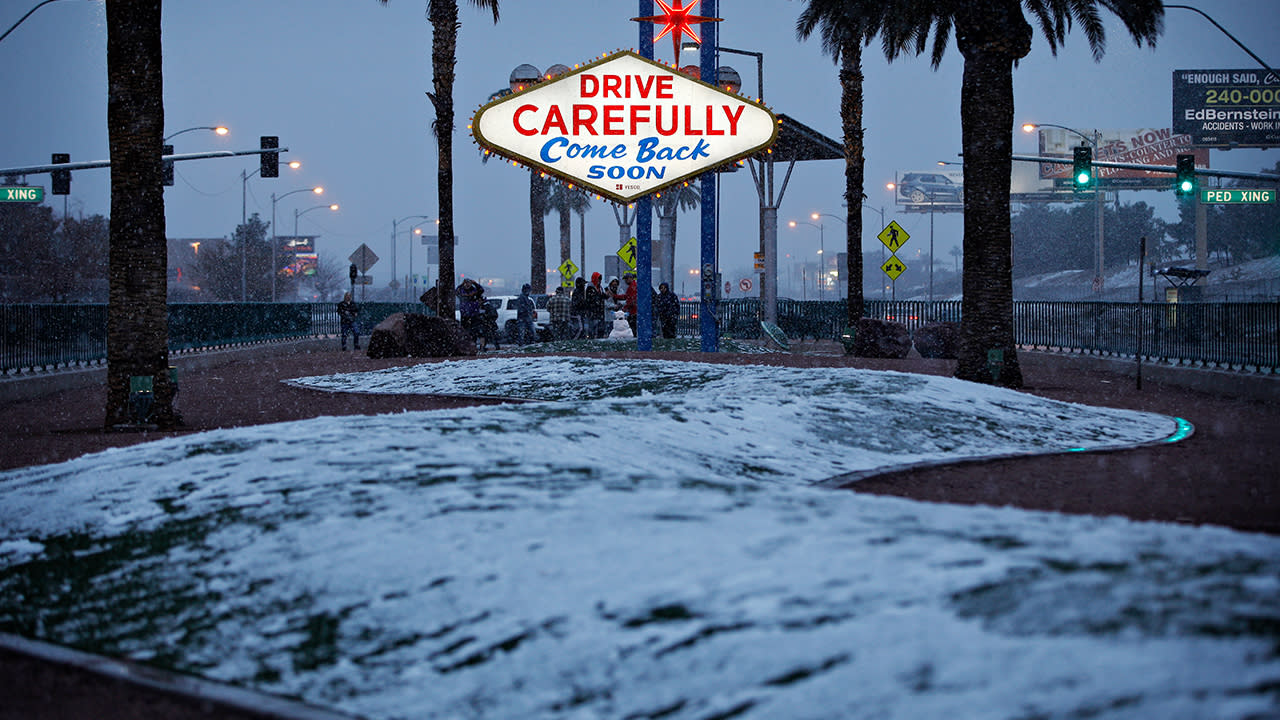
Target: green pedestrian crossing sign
x,y
21,193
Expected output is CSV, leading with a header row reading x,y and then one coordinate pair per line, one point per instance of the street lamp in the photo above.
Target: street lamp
x,y
299,213
318,191
843,221
764,188
415,230
218,130
244,262
395,234
1096,143
821,252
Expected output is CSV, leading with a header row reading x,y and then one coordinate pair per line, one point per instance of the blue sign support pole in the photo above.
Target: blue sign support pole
x,y
644,223
707,316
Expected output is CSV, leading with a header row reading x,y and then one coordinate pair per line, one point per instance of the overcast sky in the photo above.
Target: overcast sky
x,y
342,83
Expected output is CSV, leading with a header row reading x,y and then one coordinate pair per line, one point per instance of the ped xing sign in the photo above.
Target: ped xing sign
x,y
1237,196
624,127
21,194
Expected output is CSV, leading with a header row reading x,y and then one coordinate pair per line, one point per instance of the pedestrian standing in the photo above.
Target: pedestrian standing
x,y
560,308
525,314
348,311
471,309
631,300
599,321
667,306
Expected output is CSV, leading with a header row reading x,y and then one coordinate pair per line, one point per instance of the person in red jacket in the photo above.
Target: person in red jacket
x,y
631,304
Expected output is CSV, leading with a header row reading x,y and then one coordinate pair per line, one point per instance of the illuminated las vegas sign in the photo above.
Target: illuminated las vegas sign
x,y
624,127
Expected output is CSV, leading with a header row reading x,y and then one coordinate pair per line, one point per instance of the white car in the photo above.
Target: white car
x,y
506,305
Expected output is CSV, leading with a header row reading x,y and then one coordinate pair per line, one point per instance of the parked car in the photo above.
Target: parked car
x,y
919,187
506,305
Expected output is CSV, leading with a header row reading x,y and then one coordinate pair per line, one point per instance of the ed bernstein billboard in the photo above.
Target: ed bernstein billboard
x,y
624,127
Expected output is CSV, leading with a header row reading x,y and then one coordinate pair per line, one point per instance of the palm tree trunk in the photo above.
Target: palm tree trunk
x,y
137,309
990,40
566,233
443,15
854,171
538,232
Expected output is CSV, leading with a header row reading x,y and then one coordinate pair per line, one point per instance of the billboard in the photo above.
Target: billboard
x,y
624,127
1227,108
1139,146
933,190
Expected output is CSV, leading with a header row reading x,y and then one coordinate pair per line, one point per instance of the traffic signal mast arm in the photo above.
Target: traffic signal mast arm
x,y
36,169
1170,169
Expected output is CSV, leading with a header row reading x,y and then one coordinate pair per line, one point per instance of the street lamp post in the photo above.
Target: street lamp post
x,y
274,199
1096,143
821,253
764,189
299,213
244,252
414,230
24,17
394,235
881,211
843,221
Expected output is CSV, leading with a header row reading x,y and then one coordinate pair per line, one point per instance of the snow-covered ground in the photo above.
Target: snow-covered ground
x,y
645,541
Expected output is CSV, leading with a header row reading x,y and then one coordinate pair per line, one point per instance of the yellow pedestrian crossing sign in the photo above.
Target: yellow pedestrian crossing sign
x,y
893,236
628,253
567,271
893,267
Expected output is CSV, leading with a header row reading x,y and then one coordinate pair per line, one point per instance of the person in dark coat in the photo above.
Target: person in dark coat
x,y
526,312
667,306
348,311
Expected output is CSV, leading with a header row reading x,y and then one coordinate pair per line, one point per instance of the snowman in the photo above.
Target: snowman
x,y
621,329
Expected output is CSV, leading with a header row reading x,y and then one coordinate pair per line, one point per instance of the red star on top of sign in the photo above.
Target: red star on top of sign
x,y
678,22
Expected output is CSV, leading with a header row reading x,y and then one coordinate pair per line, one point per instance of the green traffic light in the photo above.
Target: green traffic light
x,y
1082,178
1186,186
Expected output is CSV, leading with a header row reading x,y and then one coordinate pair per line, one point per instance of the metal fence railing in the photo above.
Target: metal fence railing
x,y
1241,336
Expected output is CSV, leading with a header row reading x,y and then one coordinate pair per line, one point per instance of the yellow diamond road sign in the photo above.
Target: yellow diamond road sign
x,y
628,253
893,267
568,270
893,236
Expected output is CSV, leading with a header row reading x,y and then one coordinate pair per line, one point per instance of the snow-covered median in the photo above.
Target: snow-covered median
x,y
645,543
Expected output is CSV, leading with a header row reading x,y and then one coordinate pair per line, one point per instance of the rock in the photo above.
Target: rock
x,y
938,340
881,339
428,336
388,338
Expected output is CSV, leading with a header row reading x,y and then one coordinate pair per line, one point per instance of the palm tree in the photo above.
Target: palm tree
x,y
992,35
443,15
566,200
845,26
669,204
137,309
539,189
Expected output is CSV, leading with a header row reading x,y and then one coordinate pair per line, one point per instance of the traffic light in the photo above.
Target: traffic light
x,y
60,179
1186,183
1082,167
270,160
166,166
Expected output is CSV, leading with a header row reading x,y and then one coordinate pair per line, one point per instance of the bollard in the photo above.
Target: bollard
x,y
995,362
140,398
173,380
847,339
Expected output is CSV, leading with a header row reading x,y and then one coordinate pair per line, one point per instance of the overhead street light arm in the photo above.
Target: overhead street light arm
x,y
218,129
1224,32
24,17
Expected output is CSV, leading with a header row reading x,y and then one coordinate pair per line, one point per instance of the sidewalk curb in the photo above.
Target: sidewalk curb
x,y
205,698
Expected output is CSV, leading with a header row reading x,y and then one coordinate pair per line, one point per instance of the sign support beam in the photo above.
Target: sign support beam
x,y
644,224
